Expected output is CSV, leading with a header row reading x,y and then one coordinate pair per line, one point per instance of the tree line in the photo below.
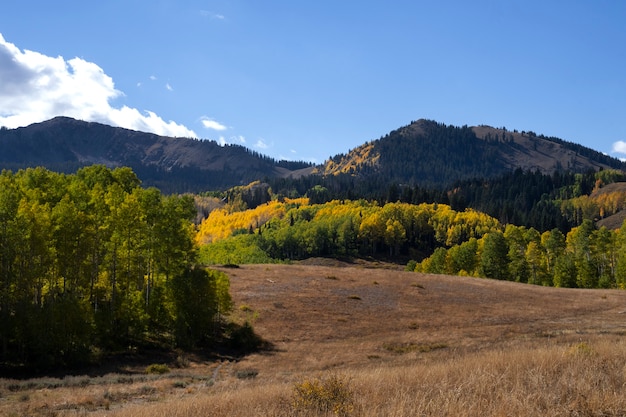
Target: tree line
x,y
93,262
526,198
436,237
295,229
585,257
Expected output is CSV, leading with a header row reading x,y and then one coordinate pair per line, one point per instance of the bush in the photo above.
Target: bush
x,y
157,368
244,339
332,394
410,266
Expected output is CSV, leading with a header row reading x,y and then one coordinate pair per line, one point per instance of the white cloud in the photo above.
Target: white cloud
x,y
619,147
212,15
212,124
261,144
239,139
36,87
168,87
222,141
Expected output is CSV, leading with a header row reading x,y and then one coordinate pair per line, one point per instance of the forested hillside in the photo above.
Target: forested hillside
x,y
435,155
92,262
424,154
436,238
525,198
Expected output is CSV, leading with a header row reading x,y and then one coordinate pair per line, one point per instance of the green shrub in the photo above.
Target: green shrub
x,y
157,368
410,266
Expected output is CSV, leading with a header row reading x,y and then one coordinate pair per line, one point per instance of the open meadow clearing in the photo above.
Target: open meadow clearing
x,y
371,340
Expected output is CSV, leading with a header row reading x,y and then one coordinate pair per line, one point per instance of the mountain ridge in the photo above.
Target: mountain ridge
x,y
66,144
424,153
438,155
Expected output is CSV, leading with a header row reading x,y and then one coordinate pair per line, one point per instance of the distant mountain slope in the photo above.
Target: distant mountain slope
x,y
172,164
428,153
424,153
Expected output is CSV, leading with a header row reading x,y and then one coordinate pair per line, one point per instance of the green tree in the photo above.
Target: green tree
x,y
565,271
578,242
462,258
194,304
494,258
436,264
604,253
516,240
553,243
533,258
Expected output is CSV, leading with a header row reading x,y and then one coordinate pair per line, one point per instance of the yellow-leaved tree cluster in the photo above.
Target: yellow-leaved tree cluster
x,y
289,230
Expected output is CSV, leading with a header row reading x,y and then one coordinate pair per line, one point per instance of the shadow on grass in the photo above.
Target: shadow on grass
x,y
234,342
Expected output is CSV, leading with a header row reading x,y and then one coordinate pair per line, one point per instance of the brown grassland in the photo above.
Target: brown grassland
x,y
370,340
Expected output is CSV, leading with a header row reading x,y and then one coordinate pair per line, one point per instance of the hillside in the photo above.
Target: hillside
x,y
407,343
362,310
432,154
424,153
179,164
612,200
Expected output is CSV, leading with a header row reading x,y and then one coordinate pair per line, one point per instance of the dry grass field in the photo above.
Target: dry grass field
x,y
368,340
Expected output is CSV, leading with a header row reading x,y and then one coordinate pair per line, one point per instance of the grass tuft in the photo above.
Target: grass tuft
x,y
402,348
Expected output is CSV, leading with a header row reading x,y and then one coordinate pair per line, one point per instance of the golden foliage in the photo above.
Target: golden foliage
x,y
360,156
221,223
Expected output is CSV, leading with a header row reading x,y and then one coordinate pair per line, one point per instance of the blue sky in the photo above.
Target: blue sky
x,y
308,80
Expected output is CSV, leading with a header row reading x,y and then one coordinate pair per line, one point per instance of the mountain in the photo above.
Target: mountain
x,y
424,153
172,164
433,154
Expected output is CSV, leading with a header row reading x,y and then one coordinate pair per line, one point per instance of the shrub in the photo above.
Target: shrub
x,y
331,394
244,339
157,368
247,373
581,349
182,361
410,266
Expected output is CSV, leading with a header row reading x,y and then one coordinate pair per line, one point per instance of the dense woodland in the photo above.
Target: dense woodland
x,y
566,250
584,258
525,198
91,262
